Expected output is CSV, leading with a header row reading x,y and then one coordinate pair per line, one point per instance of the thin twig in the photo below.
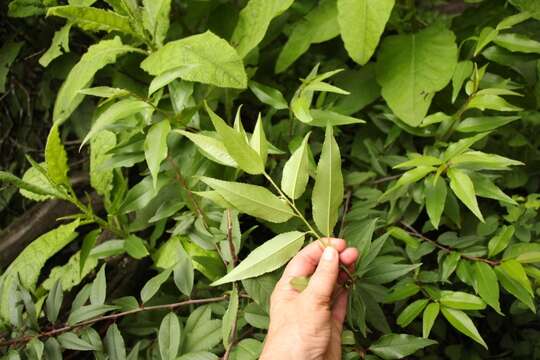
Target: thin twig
x,y
385,179
348,196
180,179
111,317
232,249
447,249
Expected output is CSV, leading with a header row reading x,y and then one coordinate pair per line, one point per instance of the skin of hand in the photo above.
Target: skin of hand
x,y
307,325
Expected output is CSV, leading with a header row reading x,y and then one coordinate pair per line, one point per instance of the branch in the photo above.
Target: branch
x,y
416,233
113,317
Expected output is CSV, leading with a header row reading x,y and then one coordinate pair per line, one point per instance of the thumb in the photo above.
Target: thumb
x,y
322,283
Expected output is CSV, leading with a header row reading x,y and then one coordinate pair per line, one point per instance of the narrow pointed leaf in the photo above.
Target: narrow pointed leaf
x,y
463,323
462,186
296,171
267,257
155,147
428,319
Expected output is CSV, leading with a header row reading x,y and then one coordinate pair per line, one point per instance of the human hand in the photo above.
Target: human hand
x,y
307,325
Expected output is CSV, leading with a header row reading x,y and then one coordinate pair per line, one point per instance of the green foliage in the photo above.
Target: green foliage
x,y
220,137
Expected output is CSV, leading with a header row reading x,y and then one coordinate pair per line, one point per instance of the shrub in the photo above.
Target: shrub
x,y
222,136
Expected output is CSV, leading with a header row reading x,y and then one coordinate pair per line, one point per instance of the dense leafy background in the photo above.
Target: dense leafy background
x,y
162,159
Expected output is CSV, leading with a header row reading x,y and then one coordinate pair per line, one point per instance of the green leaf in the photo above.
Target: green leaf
x,y
515,287
499,242
268,95
203,337
204,58
59,45
296,171
411,312
487,35
461,300
99,288
436,191
228,325
462,145
152,286
183,272
88,312
54,302
491,102
484,123
169,337
487,285
402,291
252,200
27,266
256,316
114,343
135,247
385,273
463,323
529,6
93,19
411,68
198,355
268,257
31,188
71,341
210,147
81,75
449,265
258,140
253,23
155,147
324,118
155,16
484,187
518,43
398,346
237,146
319,25
116,112
25,8
56,158
513,269
362,23
52,349
461,73
462,185
328,189
8,54
428,318
101,180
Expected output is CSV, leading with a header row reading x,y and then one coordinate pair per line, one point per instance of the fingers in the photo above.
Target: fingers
x,y
348,256
323,281
339,310
305,262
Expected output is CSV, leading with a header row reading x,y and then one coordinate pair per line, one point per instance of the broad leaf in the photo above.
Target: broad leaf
x,y
398,346
461,300
93,19
81,75
155,147
254,21
499,242
267,257
428,318
228,325
114,343
153,285
463,188
204,58
411,68
252,199
27,266
362,23
156,19
487,285
319,25
59,45
237,146
411,312
86,312
169,337
436,191
463,323
328,189
56,158
8,54
98,292
296,171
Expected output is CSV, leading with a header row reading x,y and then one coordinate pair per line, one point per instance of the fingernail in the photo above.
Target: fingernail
x,y
329,253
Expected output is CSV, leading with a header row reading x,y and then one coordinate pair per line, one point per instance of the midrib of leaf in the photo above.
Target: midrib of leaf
x,y
364,30
328,210
297,172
